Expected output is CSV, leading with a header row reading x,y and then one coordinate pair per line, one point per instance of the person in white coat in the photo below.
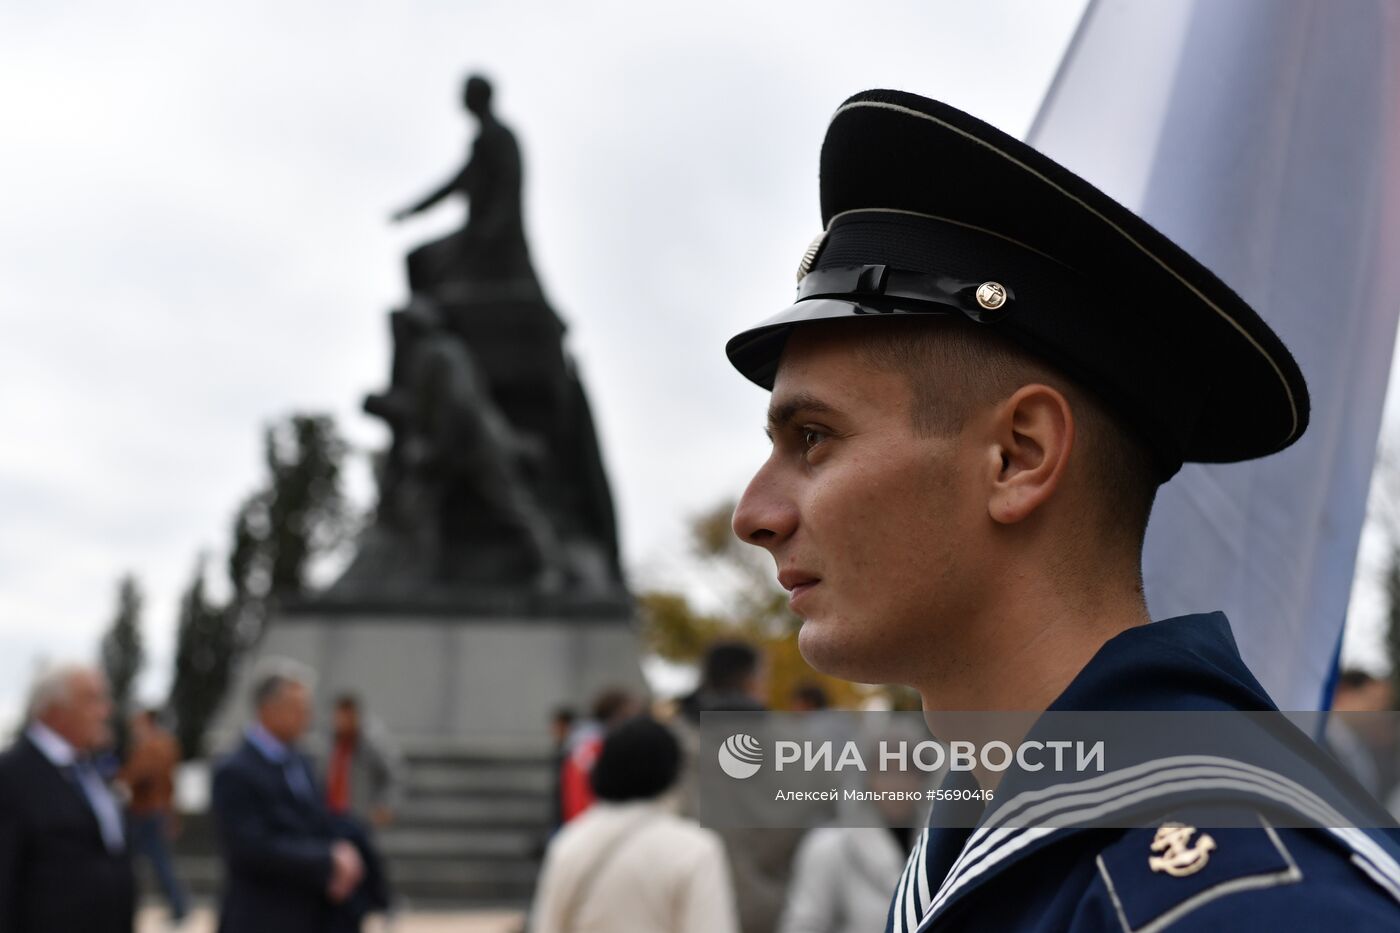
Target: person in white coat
x,y
842,879
843,874
629,864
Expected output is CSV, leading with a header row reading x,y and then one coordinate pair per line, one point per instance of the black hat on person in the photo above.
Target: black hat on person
x,y
928,210
640,760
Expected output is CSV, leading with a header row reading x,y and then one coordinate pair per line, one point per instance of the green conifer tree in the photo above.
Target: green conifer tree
x,y
123,652
299,513
204,655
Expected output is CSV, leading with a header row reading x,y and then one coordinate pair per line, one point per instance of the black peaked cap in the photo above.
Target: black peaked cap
x,y
929,210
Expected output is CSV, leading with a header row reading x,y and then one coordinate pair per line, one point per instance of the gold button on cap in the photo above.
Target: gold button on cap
x,y
991,295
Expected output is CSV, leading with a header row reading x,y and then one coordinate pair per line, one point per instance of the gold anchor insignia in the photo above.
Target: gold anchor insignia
x,y
1179,860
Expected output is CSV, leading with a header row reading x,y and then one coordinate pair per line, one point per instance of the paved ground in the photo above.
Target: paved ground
x,y
152,920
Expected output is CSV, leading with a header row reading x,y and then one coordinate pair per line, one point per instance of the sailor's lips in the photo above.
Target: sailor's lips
x,y
798,584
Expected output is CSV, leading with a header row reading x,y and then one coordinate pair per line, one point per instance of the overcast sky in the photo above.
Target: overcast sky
x,y
194,240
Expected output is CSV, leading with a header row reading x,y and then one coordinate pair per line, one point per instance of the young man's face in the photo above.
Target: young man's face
x,y
871,526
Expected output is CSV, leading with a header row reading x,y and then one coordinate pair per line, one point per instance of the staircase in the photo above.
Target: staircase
x,y
469,833
471,829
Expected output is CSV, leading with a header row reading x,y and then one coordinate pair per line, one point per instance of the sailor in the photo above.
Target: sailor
x,y
990,369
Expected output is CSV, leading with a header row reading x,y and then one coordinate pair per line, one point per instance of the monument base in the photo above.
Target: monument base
x,y
490,683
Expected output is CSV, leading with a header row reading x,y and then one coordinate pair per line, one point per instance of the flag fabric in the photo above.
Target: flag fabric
x,y
1264,138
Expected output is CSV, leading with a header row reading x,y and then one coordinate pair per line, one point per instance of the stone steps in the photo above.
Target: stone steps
x,y
456,843
423,882
468,779
527,811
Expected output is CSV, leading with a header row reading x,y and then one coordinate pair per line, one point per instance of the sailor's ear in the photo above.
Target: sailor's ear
x,y
1030,438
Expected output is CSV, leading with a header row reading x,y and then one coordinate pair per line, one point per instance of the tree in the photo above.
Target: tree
x,y
299,514
755,608
249,580
122,651
204,653
307,513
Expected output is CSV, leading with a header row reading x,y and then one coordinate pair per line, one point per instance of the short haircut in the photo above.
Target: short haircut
x,y
1354,678
479,85
727,665
53,686
276,675
565,715
986,367
639,760
348,701
611,702
812,694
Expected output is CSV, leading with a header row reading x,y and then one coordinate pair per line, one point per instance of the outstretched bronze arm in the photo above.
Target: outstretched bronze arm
x,y
457,183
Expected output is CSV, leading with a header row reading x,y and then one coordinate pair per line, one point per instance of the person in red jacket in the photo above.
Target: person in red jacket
x,y
575,790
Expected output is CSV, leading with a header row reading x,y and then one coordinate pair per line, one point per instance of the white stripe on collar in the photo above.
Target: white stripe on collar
x,y
988,846
1171,776
901,922
914,910
1111,787
922,881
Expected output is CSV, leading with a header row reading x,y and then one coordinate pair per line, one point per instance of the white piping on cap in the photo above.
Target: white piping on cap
x,y
897,108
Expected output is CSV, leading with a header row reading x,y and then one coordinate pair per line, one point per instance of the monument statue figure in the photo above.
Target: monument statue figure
x,y
493,481
491,246
485,590
450,441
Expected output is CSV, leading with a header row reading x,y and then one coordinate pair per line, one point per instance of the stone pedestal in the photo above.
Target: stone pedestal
x,y
489,683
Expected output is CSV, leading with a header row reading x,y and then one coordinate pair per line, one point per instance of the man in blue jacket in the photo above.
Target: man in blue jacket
x,y
289,866
990,368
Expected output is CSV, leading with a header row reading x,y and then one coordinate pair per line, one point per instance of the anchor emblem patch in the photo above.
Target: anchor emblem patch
x,y
1179,857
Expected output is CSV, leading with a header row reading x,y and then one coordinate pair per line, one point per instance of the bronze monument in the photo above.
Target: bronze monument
x,y
492,493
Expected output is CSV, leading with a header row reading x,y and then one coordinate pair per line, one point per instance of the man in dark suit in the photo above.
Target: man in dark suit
x,y
63,855
290,868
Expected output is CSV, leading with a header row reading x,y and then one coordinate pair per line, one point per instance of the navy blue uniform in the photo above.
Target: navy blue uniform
x,y
1025,879
928,211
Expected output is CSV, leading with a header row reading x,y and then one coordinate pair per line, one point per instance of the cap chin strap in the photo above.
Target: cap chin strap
x,y
882,290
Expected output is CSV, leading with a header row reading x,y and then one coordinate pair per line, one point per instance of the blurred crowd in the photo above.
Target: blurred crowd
x,y
630,856
1363,738
81,802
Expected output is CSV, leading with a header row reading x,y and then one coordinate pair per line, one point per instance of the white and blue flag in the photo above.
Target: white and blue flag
x,y
1264,138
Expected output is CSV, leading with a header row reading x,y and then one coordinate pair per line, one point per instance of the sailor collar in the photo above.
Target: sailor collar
x,y
1184,664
